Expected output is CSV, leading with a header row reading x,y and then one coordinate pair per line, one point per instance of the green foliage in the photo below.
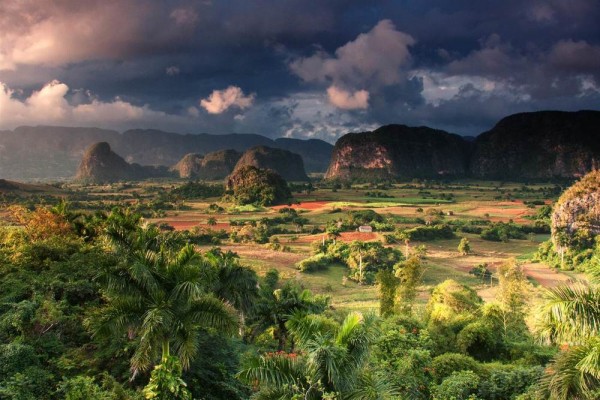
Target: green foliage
x,y
426,233
197,190
166,383
512,292
464,247
275,307
481,341
251,185
507,381
409,274
331,364
460,385
362,217
502,232
444,365
314,263
83,388
365,259
387,285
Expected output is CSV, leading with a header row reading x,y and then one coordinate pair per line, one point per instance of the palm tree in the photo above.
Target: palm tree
x,y
571,317
160,296
235,284
331,362
276,307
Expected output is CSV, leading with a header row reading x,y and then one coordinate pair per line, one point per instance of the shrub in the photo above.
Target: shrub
x,y
444,365
460,385
427,233
480,341
314,263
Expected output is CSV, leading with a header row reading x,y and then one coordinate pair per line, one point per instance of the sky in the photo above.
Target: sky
x,y
294,68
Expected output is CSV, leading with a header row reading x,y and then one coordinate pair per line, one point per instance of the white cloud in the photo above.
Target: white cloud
x,y
221,100
49,106
172,70
373,58
346,100
185,17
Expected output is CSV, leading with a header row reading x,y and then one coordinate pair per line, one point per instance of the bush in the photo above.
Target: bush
x,y
427,233
444,365
195,190
458,386
314,263
502,232
507,381
480,341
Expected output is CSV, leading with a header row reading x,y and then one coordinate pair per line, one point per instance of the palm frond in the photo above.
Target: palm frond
x,y
566,378
276,370
570,314
210,312
372,387
305,327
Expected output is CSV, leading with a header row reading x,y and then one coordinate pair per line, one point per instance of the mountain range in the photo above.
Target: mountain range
x,y
52,152
535,145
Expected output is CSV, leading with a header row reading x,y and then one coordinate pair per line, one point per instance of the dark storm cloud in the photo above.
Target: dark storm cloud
x,y
315,68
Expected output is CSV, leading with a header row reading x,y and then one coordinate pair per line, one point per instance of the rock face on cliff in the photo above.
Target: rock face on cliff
x,y
101,165
576,215
287,164
213,166
399,151
188,166
539,145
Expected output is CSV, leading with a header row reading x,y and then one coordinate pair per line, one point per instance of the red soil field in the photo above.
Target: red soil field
x,y
344,237
186,225
309,205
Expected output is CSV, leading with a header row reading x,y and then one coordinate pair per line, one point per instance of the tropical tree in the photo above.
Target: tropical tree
x,y
571,317
158,295
235,283
512,291
331,364
275,308
409,274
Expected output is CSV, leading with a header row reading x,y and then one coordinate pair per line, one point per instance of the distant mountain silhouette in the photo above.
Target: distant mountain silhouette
x,y
51,152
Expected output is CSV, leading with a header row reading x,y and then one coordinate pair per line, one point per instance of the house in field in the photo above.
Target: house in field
x,y
365,228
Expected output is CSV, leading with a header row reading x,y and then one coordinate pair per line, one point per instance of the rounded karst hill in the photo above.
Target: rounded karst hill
x,y
218,164
287,164
251,185
399,151
100,165
213,166
576,215
539,145
188,166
